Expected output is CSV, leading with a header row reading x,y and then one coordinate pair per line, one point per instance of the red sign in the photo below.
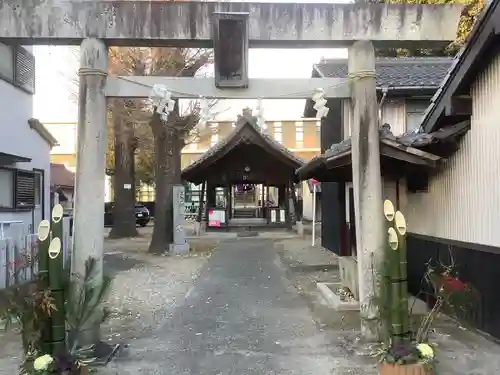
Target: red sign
x,y
214,223
313,181
210,212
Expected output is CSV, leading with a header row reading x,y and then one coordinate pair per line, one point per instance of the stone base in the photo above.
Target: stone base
x,y
300,228
199,228
182,248
327,292
416,306
348,267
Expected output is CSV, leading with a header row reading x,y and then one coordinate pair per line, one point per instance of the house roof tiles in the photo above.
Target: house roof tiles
x,y
410,72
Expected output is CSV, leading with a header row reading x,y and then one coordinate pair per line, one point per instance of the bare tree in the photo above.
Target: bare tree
x,y
170,137
129,117
122,143
126,120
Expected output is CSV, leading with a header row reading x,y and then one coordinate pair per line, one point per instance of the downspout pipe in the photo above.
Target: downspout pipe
x,y
385,89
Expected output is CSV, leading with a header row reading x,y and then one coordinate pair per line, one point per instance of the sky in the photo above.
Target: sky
x,y
56,67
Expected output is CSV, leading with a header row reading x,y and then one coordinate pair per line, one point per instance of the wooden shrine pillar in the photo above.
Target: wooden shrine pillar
x,y
199,216
227,196
230,201
288,211
298,216
210,200
281,196
263,201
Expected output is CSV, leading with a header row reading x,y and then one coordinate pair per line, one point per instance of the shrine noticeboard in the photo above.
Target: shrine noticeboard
x,y
180,244
216,218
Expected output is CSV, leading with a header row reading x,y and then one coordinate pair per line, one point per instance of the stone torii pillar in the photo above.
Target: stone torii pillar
x,y
366,176
88,240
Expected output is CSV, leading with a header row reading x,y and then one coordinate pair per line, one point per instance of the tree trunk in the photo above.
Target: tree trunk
x,y
167,173
124,224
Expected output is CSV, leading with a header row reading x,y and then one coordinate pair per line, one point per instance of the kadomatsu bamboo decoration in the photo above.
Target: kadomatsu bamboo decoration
x,y
56,273
395,287
50,267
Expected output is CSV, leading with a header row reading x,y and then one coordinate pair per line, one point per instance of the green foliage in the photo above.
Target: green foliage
x,y
30,304
63,363
84,298
470,14
26,303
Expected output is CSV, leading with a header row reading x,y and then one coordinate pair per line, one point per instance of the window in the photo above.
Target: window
x,y
415,110
17,66
6,62
215,134
214,139
146,193
24,189
17,188
38,188
6,188
299,134
278,135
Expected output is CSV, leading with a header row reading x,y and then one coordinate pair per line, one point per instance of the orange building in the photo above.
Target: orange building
x,y
302,137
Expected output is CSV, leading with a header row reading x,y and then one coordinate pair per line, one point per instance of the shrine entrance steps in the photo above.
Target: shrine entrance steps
x,y
245,213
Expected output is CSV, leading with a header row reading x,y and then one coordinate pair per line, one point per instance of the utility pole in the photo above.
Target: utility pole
x,y
367,181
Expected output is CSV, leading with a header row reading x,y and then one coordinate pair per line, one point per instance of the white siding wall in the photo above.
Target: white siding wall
x,y
16,137
393,112
65,133
307,202
463,201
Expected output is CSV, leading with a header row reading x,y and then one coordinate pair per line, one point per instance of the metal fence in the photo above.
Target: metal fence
x,y
19,252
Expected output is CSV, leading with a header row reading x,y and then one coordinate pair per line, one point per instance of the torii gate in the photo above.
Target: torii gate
x,y
95,25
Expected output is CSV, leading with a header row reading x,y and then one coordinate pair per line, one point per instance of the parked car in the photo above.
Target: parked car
x,y
142,215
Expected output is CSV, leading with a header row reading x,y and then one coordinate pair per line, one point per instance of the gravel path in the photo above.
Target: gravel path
x,y
145,291
243,316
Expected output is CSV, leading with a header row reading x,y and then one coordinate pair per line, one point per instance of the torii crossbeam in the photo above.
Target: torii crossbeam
x,y
188,23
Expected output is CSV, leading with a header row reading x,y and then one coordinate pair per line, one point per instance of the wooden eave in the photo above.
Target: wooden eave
x,y
324,165
452,102
390,149
42,131
246,132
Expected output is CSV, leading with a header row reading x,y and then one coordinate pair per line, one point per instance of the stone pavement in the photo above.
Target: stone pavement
x,y
460,351
243,316
250,308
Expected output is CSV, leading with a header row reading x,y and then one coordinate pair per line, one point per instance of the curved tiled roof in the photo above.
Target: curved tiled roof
x,y
396,71
235,137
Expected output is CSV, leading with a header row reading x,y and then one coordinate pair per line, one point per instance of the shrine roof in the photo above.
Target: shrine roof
x,y
419,149
246,132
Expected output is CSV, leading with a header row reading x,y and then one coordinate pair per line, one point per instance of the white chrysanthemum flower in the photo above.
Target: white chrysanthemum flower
x,y
425,350
42,363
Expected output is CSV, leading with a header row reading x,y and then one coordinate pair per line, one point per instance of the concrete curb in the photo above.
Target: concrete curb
x,y
335,302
